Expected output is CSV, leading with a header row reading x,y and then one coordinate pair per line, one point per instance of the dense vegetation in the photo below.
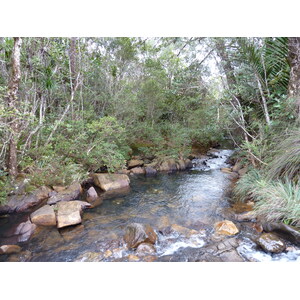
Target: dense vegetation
x,y
83,103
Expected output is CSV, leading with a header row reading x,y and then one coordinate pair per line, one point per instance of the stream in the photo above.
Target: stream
x,y
181,207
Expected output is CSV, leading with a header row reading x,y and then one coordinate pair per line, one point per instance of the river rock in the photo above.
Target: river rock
x,y
71,193
24,231
92,196
237,167
181,165
21,203
245,217
183,230
150,171
243,171
188,163
226,228
139,233
69,213
44,216
168,165
137,170
109,182
288,232
145,249
10,249
135,163
226,170
270,242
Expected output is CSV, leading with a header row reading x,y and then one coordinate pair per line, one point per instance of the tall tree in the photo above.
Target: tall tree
x,y
12,103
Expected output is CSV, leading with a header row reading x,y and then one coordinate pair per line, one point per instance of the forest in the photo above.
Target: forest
x,y
74,106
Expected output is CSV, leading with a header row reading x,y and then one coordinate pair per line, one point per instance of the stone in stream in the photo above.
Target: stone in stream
x,y
183,230
92,196
137,170
150,171
71,193
145,249
136,234
226,228
109,182
9,249
270,242
69,212
168,165
24,231
44,216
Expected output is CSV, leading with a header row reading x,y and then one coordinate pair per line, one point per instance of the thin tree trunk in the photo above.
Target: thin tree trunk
x,y
12,102
294,60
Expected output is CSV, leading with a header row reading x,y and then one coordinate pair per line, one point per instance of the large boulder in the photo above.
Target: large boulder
x,y
9,249
137,234
44,216
270,242
21,203
69,213
71,193
135,163
109,182
226,228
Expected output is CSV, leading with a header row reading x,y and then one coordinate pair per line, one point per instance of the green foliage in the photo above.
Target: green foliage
x,y
5,187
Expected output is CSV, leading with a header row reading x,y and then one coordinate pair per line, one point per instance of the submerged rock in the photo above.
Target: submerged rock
x,y
183,230
109,182
139,233
270,242
226,228
92,196
44,216
150,171
71,193
10,249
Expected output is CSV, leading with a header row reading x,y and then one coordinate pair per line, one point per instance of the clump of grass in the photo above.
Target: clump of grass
x,y
248,185
286,162
279,201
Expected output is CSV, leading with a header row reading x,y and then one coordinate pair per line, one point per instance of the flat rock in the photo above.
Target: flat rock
x,y
69,213
10,249
226,228
135,163
71,193
109,182
270,242
137,170
137,234
44,216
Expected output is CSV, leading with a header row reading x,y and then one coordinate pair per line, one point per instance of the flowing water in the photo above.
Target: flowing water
x,y
173,204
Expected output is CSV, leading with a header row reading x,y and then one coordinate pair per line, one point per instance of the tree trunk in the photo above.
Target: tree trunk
x,y
12,103
294,60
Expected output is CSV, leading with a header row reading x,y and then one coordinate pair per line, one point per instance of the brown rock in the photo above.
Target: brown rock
x,y
270,242
145,249
59,189
44,216
139,233
9,249
109,182
132,258
92,196
226,228
71,193
245,217
69,213
168,165
137,170
135,163
243,171
226,170
123,171
181,165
